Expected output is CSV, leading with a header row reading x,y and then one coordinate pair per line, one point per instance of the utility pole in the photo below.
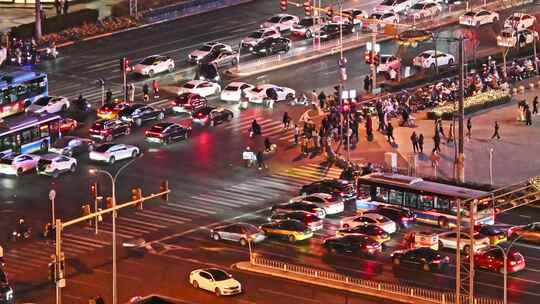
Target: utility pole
x,y
460,161
472,216
458,253
373,64
37,25
52,196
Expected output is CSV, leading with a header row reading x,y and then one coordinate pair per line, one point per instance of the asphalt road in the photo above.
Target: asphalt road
x,y
208,181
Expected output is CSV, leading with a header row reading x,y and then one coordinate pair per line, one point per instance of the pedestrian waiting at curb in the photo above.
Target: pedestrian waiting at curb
x,y
496,131
421,142
535,105
414,141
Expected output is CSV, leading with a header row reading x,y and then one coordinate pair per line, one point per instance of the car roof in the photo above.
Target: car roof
x,y
196,82
51,156
321,195
236,83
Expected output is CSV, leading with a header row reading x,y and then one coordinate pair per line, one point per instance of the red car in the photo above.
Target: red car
x,y
67,125
492,259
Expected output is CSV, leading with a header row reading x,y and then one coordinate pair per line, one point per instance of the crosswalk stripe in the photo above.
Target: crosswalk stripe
x,y
265,181
127,219
74,251
217,201
155,217
24,256
73,240
167,215
128,229
234,202
248,187
290,182
304,180
240,196
110,232
76,246
244,125
172,208
26,264
204,204
318,168
244,193
193,209
86,238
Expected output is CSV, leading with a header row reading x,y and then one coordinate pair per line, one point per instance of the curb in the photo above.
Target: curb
x,y
246,266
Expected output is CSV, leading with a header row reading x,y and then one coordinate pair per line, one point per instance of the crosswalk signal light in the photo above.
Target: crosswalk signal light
x,y
283,4
136,194
93,190
308,8
124,65
61,269
51,270
164,186
109,202
346,107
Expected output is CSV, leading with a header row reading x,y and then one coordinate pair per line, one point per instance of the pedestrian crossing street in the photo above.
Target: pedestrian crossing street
x,y
252,194
272,129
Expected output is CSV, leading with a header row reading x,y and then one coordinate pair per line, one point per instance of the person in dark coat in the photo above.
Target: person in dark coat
x,y
421,142
286,121
437,142
108,96
390,133
322,100
528,117
146,91
496,131
469,128
260,160
414,141
535,105
369,128
367,84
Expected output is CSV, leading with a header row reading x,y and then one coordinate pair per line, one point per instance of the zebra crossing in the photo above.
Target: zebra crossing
x,y
270,128
251,194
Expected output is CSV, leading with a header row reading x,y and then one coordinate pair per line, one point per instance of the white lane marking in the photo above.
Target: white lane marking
x,y
283,294
217,201
128,229
193,208
121,234
168,215
235,202
86,238
157,217
127,219
69,239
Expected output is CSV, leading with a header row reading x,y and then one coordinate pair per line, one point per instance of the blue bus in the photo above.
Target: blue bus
x,y
19,89
433,203
29,133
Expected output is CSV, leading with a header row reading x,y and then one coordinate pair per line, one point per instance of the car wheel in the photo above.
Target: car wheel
x,y
396,261
425,266
495,19
73,168
188,134
432,66
216,237
243,242
112,160
151,73
134,154
289,97
55,174
128,131
308,34
138,122
234,61
451,61
167,141
229,117
44,146
345,225
216,91
217,292
291,238
195,284
269,52
19,171
64,108
90,148
323,213
170,68
161,116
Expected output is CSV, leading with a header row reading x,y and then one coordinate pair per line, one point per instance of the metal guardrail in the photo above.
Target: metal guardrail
x,y
359,39
187,8
394,289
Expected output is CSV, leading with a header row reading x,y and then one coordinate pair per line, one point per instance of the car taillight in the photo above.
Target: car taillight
x,y
173,103
104,131
436,261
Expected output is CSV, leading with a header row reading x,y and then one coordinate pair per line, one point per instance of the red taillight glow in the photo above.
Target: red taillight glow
x,y
104,131
436,261
173,103
149,133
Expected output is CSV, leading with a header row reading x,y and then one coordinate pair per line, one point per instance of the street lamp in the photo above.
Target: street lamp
x,y
95,171
491,166
505,266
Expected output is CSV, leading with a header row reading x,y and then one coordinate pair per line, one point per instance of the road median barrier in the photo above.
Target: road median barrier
x,y
396,292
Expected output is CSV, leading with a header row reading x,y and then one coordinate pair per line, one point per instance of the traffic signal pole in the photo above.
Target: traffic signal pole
x,y
373,64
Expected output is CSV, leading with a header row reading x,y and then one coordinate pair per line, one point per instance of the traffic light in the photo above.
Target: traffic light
x,y
124,65
164,186
283,4
93,190
308,8
346,107
51,270
61,267
109,202
136,194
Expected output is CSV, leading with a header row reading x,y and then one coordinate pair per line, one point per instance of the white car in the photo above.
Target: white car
x,y
111,152
354,16
449,240
382,221
510,38
396,6
281,22
233,91
49,104
384,18
520,21
154,64
387,63
480,17
215,280
206,49
427,59
201,87
14,164
330,204
54,164
261,92
424,9
259,35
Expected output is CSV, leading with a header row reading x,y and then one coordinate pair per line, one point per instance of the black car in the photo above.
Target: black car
x,y
271,45
212,115
188,102
371,230
311,220
167,132
298,206
424,258
332,30
336,187
354,243
107,130
72,145
402,216
6,292
138,113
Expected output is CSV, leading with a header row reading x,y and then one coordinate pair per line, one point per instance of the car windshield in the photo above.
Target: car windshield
x,y
251,229
205,48
258,89
6,160
98,125
103,148
306,22
257,34
514,18
507,34
189,86
44,161
158,128
274,19
427,253
218,275
388,2
425,55
418,6
297,226
470,14
43,101
148,61
375,16
231,88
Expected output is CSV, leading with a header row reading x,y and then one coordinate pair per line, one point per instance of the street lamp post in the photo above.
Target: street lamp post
x,y
491,166
52,196
505,267
113,182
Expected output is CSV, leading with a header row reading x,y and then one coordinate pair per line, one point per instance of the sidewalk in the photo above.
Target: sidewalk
x,y
12,15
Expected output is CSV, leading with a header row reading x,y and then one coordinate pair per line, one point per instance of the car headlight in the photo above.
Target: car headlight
x,y
262,50
9,295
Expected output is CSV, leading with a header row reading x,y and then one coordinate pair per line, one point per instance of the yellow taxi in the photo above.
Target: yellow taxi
x,y
292,230
495,234
110,111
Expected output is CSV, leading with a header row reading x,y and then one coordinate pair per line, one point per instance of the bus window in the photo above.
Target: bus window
x,y
4,96
11,95
26,136
426,202
442,204
364,191
395,197
35,133
36,87
411,200
6,143
22,92
382,195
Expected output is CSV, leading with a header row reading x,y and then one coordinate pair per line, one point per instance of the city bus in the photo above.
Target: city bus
x,y
19,89
433,203
29,133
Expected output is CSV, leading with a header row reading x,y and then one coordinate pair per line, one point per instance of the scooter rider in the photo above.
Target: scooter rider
x,y
255,128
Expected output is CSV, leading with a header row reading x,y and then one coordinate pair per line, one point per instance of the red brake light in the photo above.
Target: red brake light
x,y
104,131
173,103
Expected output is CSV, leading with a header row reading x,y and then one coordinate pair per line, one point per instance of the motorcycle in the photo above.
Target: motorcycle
x,y
20,234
